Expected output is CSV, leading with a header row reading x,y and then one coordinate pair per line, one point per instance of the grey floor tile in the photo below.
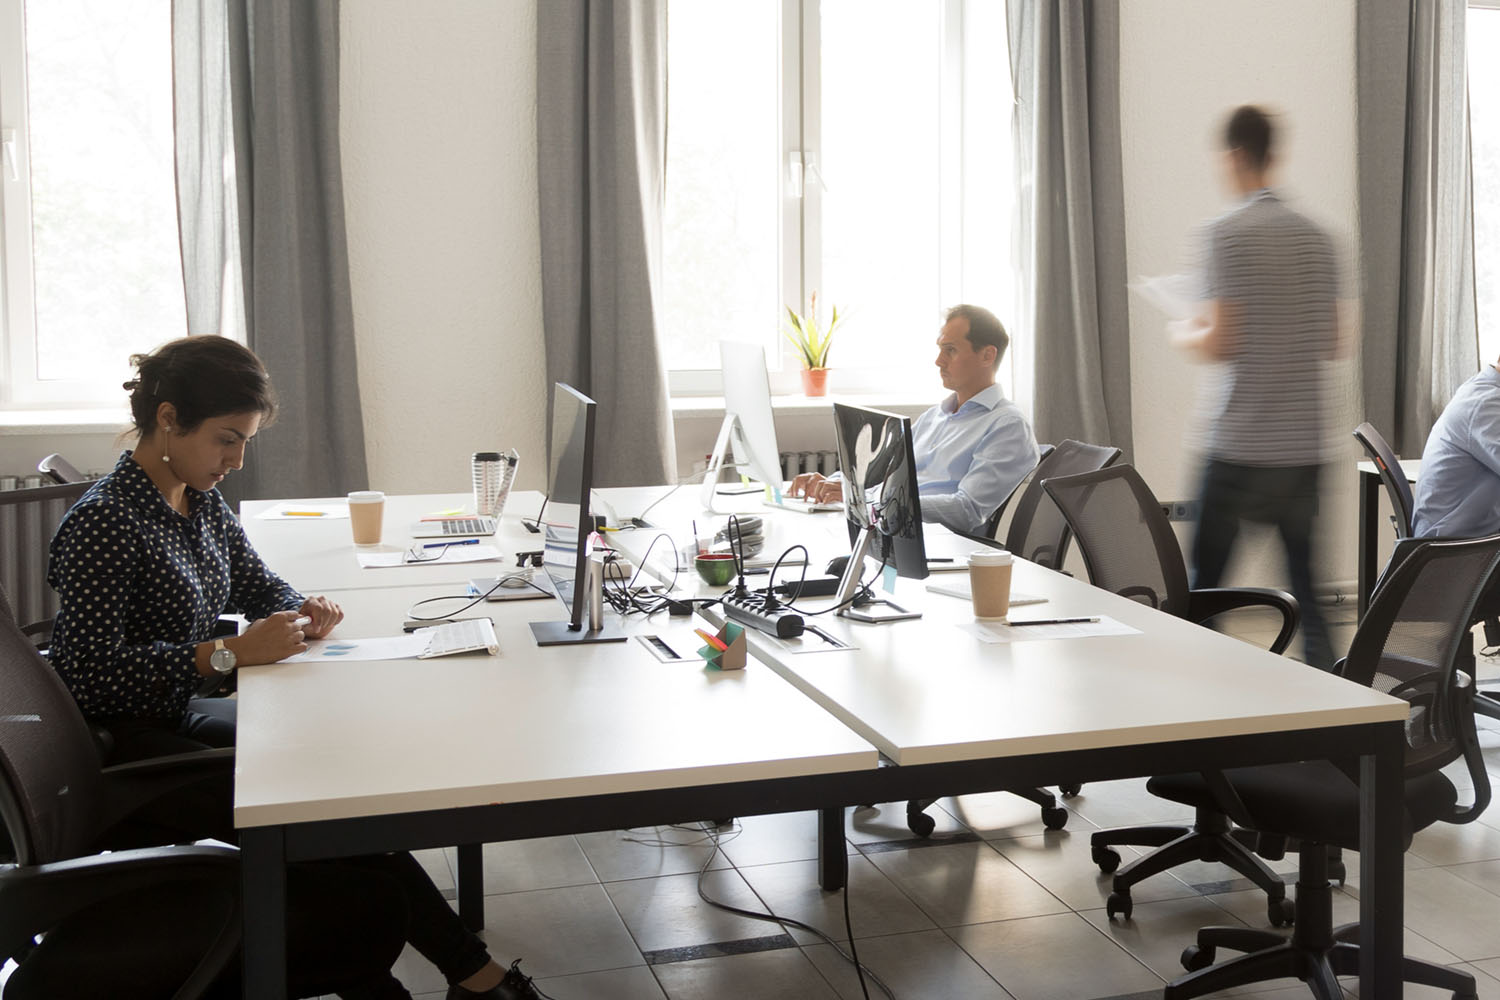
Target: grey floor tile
x,y
1057,957
926,964
667,912
768,975
635,983
887,822
1485,874
876,906
435,863
417,974
769,840
1447,844
1062,862
966,884
1250,907
647,852
1455,913
1487,986
1001,814
1125,803
545,863
558,932
1157,932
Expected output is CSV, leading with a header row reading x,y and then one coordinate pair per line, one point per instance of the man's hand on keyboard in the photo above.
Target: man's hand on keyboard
x,y
817,489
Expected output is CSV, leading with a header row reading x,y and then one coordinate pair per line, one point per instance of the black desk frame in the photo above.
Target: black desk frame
x,y
1380,746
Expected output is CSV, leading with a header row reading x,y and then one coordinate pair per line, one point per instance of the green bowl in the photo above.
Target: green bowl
x,y
716,568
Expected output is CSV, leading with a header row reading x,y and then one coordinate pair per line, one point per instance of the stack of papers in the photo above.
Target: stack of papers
x,y
999,631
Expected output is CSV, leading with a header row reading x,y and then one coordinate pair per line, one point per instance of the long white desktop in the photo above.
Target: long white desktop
x,y
355,757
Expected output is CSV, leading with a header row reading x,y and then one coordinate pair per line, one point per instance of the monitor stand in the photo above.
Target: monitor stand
x,y
731,440
877,610
563,634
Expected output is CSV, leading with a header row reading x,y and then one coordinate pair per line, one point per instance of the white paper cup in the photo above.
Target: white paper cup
x,y
989,582
366,516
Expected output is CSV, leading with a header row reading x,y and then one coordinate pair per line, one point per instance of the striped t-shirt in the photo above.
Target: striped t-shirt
x,y
1275,272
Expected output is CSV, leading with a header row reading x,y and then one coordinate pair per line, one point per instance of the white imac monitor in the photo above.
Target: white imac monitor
x,y
748,431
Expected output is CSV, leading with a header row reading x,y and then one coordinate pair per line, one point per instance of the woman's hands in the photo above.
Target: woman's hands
x,y
272,638
324,614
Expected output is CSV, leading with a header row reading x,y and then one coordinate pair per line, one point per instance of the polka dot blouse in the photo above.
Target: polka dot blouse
x,y
140,585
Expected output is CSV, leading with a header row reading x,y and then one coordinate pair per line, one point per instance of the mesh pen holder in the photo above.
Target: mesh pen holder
x,y
493,473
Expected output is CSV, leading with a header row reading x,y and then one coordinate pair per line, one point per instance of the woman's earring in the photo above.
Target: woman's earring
x,y
165,457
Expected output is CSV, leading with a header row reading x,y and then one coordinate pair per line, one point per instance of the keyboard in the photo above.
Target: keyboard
x,y
802,505
454,527
464,636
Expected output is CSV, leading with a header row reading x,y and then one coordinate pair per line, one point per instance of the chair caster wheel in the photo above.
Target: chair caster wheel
x,y
1281,912
1054,817
1107,858
1195,958
920,823
1068,791
1118,904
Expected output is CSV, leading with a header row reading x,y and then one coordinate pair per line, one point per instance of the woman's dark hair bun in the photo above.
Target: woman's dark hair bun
x,y
203,376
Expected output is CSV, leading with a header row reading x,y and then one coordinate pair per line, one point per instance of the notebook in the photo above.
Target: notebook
x,y
467,636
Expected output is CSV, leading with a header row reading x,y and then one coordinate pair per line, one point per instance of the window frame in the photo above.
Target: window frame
x,y
1485,344
801,237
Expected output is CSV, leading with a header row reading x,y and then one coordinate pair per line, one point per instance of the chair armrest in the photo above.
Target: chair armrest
x,y
35,898
134,785
1209,602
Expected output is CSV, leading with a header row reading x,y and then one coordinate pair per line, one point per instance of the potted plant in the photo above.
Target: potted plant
x,y
811,339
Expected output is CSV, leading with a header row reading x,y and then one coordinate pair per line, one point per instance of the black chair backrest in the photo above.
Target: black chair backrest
x,y
1127,543
50,777
59,470
1038,531
1389,467
28,519
1412,640
992,523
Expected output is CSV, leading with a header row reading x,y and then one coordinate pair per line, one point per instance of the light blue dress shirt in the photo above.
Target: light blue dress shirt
x,y
970,458
1458,492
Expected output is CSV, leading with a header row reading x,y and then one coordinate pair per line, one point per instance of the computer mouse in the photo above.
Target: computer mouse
x,y
837,565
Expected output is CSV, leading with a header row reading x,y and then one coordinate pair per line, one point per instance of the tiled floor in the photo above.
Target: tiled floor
x,y
992,906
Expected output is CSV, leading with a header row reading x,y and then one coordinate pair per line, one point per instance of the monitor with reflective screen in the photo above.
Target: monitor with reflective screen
x,y
881,503
576,578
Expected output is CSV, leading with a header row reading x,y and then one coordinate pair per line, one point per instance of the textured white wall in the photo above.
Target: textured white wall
x,y
1184,65
440,186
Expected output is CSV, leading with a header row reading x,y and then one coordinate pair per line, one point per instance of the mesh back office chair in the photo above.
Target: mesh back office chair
x,y
991,531
27,520
1411,645
1403,511
1130,549
59,470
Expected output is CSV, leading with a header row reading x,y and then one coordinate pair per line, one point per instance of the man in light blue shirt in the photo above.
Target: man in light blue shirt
x,y
1458,492
974,447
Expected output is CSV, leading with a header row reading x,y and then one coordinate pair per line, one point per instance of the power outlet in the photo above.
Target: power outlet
x,y
1180,510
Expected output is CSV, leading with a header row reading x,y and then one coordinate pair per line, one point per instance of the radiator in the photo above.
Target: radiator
x,y
794,463
27,520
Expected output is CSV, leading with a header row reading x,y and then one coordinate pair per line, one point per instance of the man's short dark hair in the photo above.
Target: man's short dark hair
x,y
1249,130
985,330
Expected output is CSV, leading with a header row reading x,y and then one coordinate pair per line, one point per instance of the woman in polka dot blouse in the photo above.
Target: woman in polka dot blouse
x,y
145,563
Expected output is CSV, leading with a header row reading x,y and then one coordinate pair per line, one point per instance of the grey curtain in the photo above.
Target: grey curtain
x,y
1420,338
1065,60
261,205
601,153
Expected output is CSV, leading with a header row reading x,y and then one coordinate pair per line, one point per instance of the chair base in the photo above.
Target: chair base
x,y
1487,703
1317,953
1054,816
1211,838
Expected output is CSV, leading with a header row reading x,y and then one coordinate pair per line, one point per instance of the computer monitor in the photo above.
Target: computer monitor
x,y
568,558
881,503
748,430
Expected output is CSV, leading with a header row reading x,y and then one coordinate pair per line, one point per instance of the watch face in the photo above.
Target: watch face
x,y
222,660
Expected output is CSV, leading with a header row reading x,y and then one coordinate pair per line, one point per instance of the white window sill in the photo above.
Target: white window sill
x,y
94,420
691,407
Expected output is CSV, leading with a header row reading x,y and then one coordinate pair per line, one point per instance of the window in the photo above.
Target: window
x,y
1483,33
859,149
91,267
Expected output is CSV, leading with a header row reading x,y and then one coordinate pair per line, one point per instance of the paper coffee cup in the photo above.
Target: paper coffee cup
x,y
989,582
366,514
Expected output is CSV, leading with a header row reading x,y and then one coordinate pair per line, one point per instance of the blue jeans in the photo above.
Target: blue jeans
x,y
1283,496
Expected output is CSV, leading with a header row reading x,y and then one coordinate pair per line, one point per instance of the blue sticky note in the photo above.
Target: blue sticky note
x,y
888,578
776,490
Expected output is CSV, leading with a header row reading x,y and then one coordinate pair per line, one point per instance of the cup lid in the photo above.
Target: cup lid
x,y
989,557
366,496
486,456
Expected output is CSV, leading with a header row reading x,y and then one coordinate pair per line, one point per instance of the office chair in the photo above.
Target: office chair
x,y
1411,644
59,470
1129,548
1037,532
1403,511
991,531
27,520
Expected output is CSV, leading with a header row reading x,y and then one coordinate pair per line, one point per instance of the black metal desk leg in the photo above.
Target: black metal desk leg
x,y
263,884
833,856
470,878
1369,532
1380,867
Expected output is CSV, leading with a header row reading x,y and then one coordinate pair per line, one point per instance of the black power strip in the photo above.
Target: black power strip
x,y
750,609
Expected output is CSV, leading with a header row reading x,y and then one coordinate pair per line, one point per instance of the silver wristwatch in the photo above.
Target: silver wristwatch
x,y
222,658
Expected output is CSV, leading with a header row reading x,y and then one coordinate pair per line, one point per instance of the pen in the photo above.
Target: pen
x,y
1056,621
303,513
444,545
712,640
938,559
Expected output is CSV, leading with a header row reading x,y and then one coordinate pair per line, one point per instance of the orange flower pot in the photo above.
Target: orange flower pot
x,y
815,381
